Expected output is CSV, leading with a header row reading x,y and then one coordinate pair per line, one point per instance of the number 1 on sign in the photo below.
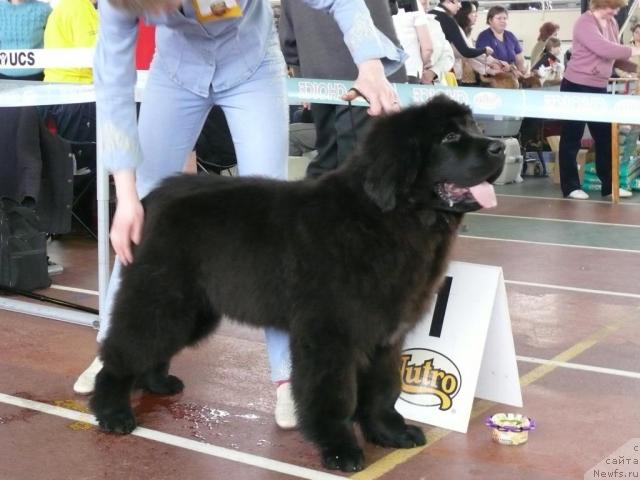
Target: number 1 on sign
x,y
441,307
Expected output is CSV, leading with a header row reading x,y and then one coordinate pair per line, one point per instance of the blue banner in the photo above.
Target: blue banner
x,y
536,103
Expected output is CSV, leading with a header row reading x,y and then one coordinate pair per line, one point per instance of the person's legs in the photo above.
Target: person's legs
x,y
352,126
601,133
170,121
257,114
302,138
326,141
339,128
572,131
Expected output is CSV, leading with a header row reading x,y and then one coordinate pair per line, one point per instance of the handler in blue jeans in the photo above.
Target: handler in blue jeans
x,y
228,57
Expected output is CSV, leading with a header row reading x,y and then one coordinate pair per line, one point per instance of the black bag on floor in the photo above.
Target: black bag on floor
x,y
23,248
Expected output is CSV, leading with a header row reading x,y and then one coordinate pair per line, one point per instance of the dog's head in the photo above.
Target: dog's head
x,y
507,80
432,155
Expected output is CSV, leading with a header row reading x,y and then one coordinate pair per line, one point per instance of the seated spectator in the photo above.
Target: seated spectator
x,y
635,43
22,25
430,55
547,30
72,24
549,68
504,44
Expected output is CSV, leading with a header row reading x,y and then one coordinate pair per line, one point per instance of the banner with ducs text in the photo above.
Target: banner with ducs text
x,y
46,58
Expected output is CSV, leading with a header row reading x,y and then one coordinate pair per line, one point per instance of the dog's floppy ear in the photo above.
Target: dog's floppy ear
x,y
391,173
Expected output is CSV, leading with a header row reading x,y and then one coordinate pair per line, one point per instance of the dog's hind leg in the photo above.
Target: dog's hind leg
x,y
378,391
324,386
157,380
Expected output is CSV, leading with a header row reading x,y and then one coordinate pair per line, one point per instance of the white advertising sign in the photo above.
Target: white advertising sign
x,y
462,349
47,58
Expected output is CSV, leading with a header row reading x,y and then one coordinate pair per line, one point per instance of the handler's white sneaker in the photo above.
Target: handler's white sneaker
x,y
578,195
622,193
87,379
285,407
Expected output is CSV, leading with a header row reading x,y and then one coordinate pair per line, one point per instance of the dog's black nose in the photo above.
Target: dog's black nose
x,y
495,148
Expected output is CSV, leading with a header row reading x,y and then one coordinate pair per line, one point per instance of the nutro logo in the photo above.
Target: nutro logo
x,y
429,379
17,59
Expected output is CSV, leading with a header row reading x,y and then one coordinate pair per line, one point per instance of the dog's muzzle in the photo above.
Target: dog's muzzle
x,y
456,198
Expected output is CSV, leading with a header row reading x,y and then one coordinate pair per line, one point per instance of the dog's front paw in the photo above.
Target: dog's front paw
x,y
407,437
346,458
119,420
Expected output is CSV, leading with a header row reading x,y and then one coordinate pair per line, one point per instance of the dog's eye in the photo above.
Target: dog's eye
x,y
451,137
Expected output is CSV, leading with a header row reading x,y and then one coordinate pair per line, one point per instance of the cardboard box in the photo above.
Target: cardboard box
x,y
584,156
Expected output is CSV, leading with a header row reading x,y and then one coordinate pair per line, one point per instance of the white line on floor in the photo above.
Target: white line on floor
x,y
561,220
74,289
579,366
549,244
180,442
574,289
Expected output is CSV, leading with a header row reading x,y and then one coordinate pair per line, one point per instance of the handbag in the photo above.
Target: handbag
x,y
23,248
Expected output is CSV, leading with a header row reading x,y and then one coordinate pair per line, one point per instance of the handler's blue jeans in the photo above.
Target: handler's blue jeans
x,y
170,122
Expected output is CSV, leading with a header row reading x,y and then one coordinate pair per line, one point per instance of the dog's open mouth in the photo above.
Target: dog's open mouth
x,y
483,194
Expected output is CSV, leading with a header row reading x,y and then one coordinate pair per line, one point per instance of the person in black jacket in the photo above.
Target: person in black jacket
x,y
313,45
444,13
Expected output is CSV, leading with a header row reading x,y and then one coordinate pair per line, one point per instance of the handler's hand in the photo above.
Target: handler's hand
x,y
128,219
428,77
375,88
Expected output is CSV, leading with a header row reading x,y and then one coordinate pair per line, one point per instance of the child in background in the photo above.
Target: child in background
x,y
549,67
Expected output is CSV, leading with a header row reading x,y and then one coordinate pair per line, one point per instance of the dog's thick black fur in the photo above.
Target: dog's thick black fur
x,y
347,264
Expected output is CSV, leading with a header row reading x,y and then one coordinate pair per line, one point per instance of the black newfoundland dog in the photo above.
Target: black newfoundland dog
x,y
347,264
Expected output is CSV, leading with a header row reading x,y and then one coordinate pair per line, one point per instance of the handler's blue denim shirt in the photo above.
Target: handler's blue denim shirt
x,y
202,57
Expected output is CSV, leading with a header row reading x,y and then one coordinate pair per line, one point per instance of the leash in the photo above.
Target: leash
x,y
353,123
44,298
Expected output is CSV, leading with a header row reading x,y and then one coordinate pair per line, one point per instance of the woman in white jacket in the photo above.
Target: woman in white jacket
x,y
422,38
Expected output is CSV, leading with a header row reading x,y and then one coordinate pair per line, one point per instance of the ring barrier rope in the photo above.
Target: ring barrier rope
x,y
492,102
536,103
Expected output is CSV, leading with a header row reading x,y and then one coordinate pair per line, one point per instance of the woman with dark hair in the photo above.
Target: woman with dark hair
x,y
547,30
596,51
468,69
467,16
504,43
444,14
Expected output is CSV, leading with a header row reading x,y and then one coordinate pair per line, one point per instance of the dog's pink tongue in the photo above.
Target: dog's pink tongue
x,y
484,194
